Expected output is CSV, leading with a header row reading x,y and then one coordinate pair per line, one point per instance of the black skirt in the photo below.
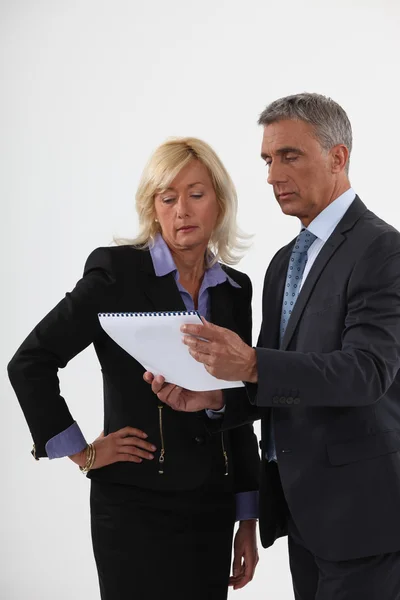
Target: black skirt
x,y
160,545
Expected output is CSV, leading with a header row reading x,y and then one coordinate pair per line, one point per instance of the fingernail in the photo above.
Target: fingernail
x,y
145,435
154,448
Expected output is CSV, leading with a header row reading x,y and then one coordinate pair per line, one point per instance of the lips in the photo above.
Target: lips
x,y
187,228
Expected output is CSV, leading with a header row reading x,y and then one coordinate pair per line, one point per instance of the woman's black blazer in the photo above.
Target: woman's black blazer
x,y
122,279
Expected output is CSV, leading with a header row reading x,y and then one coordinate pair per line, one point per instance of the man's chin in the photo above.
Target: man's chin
x,y
289,207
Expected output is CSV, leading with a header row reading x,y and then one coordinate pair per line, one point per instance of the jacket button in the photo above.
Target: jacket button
x,y
199,439
286,451
282,400
275,399
289,400
296,400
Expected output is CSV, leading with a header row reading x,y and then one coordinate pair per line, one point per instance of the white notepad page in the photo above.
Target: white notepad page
x,y
155,341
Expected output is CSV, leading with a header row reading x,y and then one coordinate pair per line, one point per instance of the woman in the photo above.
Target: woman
x,y
164,491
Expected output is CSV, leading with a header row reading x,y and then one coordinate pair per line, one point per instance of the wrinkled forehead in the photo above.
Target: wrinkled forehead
x,y
288,133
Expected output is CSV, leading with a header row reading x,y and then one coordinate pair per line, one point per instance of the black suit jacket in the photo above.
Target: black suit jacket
x,y
333,388
122,279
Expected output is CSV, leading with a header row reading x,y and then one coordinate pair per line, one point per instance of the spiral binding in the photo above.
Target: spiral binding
x,y
176,313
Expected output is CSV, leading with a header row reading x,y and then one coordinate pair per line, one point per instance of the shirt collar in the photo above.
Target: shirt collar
x,y
164,264
324,223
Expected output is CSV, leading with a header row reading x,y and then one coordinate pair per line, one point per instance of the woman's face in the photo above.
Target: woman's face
x,y
188,210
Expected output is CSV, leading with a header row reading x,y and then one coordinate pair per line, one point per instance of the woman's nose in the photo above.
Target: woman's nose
x,y
182,207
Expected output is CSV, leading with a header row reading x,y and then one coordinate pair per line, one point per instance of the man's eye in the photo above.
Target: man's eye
x,y
268,163
291,158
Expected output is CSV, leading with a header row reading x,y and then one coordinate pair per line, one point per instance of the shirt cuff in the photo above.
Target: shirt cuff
x,y
247,506
68,442
215,414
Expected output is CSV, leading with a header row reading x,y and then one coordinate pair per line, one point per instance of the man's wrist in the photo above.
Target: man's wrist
x,y
252,374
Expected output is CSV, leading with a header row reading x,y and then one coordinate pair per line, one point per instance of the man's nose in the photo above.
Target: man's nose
x,y
276,173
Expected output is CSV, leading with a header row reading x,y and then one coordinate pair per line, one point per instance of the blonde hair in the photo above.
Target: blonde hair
x,y
227,242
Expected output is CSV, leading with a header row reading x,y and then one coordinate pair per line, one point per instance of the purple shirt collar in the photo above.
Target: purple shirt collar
x,y
164,263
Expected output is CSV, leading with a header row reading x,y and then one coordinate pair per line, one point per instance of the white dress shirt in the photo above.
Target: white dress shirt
x,y
324,224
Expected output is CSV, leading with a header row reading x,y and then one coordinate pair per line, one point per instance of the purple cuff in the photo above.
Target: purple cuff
x,y
68,442
246,506
215,414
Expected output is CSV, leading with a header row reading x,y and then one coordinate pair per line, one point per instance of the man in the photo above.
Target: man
x,y
324,376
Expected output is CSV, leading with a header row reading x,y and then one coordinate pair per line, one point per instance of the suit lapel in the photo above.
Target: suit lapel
x,y
356,210
326,253
162,292
221,305
272,300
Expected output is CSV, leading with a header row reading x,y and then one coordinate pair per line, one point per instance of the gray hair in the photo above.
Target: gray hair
x,y
331,123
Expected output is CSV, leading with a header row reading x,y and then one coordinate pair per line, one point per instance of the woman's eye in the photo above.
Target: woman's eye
x,y
199,195
168,200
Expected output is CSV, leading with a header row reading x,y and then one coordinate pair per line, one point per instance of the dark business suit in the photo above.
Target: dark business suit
x,y
122,279
333,390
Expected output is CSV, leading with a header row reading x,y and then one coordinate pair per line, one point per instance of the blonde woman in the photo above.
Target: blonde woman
x,y
165,493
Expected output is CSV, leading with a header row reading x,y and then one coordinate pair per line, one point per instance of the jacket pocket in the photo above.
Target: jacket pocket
x,y
369,446
322,305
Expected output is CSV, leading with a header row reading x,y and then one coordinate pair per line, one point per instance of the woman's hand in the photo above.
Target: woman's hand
x,y
125,445
245,554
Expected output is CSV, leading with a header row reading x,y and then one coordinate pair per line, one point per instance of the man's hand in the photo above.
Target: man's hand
x,y
184,400
245,555
224,354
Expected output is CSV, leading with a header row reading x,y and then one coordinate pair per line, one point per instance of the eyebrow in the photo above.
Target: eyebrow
x,y
284,150
170,189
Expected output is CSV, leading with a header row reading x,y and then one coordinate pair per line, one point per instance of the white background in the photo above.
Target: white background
x,y
88,90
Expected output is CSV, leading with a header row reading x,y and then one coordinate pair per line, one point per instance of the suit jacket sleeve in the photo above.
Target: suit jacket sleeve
x,y
244,444
365,366
67,330
239,403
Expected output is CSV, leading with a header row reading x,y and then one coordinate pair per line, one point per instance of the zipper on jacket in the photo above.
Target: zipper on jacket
x,y
225,454
162,453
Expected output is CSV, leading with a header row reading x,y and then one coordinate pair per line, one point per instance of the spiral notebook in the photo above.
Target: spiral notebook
x,y
155,341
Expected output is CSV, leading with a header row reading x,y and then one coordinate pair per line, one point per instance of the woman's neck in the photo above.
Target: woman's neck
x,y
191,268
190,264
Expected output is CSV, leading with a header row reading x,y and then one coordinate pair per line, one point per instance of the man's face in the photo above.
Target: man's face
x,y
299,169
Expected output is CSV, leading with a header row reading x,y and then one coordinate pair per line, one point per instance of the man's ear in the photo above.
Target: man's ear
x,y
340,156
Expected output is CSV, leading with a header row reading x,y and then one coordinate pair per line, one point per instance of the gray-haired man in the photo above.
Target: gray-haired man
x,y
324,377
